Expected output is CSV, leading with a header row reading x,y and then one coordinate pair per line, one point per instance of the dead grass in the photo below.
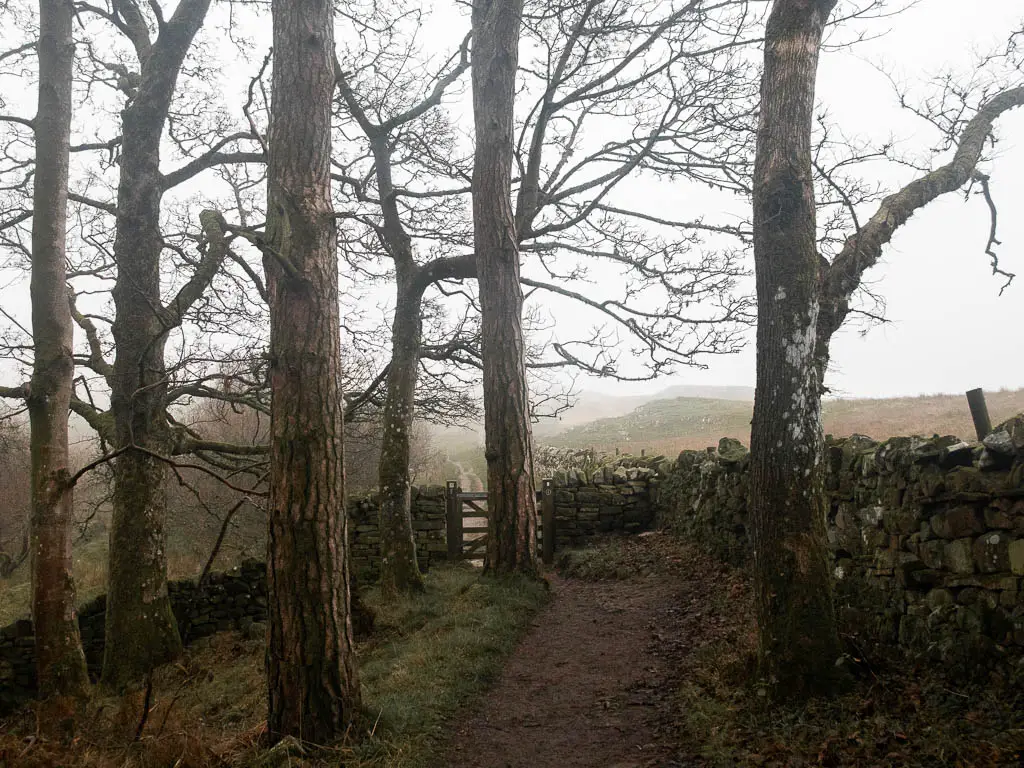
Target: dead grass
x,y
898,716
613,557
427,657
698,424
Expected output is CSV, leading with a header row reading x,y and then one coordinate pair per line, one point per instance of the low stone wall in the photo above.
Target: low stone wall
x,y
620,496
428,525
927,536
233,600
703,498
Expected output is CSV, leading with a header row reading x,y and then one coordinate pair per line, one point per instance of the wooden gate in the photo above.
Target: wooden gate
x,y
469,542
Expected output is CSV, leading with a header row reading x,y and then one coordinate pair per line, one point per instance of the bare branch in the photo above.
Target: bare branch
x,y
862,250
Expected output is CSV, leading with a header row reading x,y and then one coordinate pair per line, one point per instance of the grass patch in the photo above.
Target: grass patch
x,y
90,571
433,652
429,656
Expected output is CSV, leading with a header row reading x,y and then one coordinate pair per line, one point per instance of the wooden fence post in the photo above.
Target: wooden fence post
x,y
979,412
548,521
453,520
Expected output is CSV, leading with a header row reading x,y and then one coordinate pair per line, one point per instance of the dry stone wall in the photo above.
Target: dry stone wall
x,y
927,537
428,526
617,497
236,599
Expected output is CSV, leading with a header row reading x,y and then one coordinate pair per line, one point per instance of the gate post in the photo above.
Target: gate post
x,y
548,521
979,412
453,520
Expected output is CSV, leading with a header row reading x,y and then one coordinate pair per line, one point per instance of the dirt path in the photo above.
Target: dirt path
x,y
592,683
468,479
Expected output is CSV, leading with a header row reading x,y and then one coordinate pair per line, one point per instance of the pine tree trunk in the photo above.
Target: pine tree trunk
x,y
399,569
799,643
311,676
511,499
59,657
141,631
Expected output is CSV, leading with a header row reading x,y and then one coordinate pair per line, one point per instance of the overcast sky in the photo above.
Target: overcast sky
x,y
949,329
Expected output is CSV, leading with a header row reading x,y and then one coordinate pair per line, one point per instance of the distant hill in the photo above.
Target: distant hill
x,y
592,406
670,425
712,393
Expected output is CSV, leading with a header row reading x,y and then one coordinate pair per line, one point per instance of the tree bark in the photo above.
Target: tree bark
x,y
798,640
141,632
311,675
511,501
399,569
60,659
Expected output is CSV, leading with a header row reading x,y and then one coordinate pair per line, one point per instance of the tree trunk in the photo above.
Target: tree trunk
x,y
399,570
311,676
141,632
511,500
59,656
799,644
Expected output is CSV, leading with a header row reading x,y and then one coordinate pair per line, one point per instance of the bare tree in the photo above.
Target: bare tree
x,y
60,659
573,217
802,300
140,628
138,432
409,168
399,571
311,673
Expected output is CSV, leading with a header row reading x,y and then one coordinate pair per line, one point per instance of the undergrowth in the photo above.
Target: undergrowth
x,y
428,655
614,557
896,716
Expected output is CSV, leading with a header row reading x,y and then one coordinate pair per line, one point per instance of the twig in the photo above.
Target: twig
x,y
174,700
993,241
223,533
71,481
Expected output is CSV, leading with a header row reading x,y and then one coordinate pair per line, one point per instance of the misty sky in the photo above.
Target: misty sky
x,y
949,329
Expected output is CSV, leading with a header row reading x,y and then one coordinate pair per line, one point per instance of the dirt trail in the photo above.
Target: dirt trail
x,y
468,479
592,683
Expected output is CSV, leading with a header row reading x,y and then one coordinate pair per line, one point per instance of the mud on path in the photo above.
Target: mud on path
x,y
593,682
